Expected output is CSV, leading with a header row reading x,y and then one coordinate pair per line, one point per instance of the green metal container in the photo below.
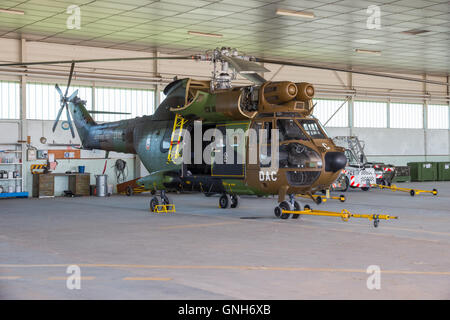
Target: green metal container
x,y
402,174
443,171
423,171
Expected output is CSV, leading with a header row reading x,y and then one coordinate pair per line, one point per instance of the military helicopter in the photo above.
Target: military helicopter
x,y
306,159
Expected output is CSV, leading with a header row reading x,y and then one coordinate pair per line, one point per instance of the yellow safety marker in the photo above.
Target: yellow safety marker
x,y
344,215
165,208
412,192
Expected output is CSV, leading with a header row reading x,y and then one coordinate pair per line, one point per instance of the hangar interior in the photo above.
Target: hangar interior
x,y
400,121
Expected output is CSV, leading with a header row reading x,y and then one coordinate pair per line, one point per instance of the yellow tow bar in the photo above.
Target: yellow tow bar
x,y
412,192
344,215
322,199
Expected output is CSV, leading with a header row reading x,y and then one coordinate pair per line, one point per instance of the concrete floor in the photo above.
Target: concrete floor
x,y
203,252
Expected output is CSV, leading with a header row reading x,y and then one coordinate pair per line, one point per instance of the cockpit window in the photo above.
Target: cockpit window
x,y
289,130
312,129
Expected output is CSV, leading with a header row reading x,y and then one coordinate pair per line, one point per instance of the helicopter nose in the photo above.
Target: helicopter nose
x,y
335,161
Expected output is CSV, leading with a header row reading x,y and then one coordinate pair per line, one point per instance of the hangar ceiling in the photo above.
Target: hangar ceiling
x,y
331,38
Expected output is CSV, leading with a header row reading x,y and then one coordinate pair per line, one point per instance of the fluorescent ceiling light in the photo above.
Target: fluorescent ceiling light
x,y
368,51
367,41
11,11
204,34
293,13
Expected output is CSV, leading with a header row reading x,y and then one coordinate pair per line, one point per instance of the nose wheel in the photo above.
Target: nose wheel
x,y
289,205
229,201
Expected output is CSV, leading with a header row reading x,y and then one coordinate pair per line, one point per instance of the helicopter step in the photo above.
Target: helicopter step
x,y
412,192
344,215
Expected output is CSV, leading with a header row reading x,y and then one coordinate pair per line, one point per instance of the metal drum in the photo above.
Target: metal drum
x,y
101,184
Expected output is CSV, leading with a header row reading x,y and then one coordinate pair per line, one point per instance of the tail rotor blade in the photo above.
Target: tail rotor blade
x,y
69,120
57,118
59,90
73,95
72,66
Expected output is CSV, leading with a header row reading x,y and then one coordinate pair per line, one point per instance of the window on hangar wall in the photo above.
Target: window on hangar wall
x,y
369,114
9,100
137,102
324,109
406,115
43,101
437,116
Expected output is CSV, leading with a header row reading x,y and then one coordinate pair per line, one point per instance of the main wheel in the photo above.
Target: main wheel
x,y
285,206
347,183
153,203
129,191
235,199
318,200
225,201
296,208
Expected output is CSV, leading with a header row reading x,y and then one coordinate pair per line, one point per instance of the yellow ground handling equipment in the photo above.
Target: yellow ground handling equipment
x,y
318,199
344,215
412,192
165,208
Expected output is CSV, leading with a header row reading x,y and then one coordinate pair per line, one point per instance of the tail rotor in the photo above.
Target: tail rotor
x,y
64,101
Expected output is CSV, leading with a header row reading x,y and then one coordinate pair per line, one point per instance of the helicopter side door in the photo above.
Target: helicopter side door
x,y
229,153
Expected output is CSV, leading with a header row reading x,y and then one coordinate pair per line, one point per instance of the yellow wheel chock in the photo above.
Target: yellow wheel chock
x,y
165,208
412,192
344,215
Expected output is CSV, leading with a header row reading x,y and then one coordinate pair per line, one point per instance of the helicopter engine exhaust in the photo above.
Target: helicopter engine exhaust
x,y
305,91
280,92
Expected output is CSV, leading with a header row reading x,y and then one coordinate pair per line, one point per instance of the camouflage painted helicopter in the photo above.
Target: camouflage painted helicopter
x,y
308,160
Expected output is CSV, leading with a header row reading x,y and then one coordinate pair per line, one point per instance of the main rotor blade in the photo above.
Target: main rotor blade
x,y
57,118
15,64
59,90
69,120
244,66
368,73
106,112
72,66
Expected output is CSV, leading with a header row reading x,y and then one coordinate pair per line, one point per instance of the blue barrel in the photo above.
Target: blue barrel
x,y
81,169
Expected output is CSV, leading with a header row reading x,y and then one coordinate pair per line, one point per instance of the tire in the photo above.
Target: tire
x,y
365,188
296,208
347,183
412,193
225,201
235,200
435,192
285,206
153,203
342,198
129,191
277,211
318,200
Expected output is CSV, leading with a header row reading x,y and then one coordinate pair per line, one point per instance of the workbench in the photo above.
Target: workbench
x,y
44,184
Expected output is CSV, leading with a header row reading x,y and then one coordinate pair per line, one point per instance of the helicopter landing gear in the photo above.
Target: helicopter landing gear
x,y
287,205
235,200
229,201
158,200
225,201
